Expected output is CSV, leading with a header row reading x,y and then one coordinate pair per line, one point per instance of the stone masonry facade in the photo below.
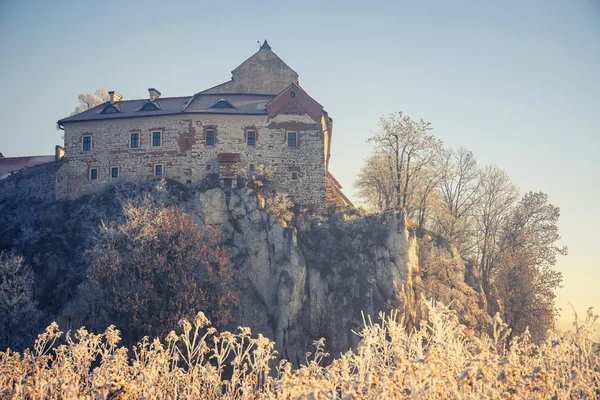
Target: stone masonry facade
x,y
186,157
261,118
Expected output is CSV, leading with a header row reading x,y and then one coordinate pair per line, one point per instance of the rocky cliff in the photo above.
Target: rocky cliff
x,y
300,281
317,278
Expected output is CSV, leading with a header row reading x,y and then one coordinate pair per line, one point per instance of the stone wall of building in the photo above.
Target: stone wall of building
x,y
187,158
38,182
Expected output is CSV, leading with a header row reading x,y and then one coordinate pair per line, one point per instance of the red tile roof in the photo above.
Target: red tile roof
x,y
335,181
228,157
9,165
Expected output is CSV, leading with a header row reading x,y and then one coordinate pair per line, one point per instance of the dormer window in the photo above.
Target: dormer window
x,y
222,103
150,106
110,109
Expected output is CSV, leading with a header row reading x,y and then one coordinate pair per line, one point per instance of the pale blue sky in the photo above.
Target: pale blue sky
x,y
516,82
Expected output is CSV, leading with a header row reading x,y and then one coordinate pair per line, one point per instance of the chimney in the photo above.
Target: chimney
x,y
114,97
154,94
59,152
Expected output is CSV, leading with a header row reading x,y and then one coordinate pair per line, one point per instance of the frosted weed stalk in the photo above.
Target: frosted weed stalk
x,y
441,359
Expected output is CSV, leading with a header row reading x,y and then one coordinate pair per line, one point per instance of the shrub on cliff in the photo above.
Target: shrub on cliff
x,y
20,318
156,267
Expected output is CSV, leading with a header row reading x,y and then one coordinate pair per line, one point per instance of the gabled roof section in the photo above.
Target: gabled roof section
x,y
264,72
295,100
130,108
111,109
245,104
150,106
222,103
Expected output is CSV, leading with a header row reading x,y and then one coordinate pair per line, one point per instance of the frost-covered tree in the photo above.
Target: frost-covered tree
x,y
19,317
496,194
524,277
375,183
157,267
90,100
409,147
459,180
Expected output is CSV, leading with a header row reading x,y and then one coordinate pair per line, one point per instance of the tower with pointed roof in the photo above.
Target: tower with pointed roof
x,y
263,73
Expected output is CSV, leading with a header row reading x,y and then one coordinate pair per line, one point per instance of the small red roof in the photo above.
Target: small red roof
x,y
228,157
335,181
9,165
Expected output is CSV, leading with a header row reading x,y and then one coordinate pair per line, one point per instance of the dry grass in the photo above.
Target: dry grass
x,y
441,360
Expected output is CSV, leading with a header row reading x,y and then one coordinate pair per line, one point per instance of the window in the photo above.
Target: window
x,y
151,106
114,172
208,167
87,143
110,109
291,139
222,103
294,176
93,173
156,139
134,142
158,170
251,138
210,137
251,168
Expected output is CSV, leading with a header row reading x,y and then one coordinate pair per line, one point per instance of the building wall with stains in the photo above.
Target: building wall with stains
x,y
187,158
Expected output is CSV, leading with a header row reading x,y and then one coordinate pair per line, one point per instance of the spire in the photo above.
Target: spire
x,y
265,46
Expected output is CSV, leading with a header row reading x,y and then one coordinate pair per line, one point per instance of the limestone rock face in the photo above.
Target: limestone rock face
x,y
317,279
211,206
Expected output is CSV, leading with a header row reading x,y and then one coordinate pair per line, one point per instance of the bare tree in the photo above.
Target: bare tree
x,y
408,147
375,182
459,181
425,182
496,194
524,276
90,100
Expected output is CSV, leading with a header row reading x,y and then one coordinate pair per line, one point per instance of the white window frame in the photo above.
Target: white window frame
x,y
97,173
118,172
83,141
162,168
292,176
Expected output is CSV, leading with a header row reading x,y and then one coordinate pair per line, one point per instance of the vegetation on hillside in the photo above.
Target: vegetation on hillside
x,y
440,360
511,242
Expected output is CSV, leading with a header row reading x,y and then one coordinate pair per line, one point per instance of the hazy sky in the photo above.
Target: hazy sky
x,y
516,82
